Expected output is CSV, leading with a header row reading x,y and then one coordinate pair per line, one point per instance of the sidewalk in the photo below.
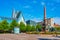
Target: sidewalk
x,y
24,36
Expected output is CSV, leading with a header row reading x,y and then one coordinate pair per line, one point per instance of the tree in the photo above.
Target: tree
x,y
28,28
33,28
38,27
22,27
13,24
52,29
4,25
57,28
1,28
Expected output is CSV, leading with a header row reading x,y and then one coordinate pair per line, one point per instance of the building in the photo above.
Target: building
x,y
21,19
50,21
56,25
47,22
30,22
16,15
41,23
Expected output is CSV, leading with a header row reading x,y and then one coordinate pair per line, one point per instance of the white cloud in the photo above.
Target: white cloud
x,y
27,6
32,10
35,1
29,16
51,4
58,1
36,19
57,20
53,9
42,3
48,3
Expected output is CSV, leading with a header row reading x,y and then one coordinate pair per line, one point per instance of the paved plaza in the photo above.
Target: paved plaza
x,y
24,36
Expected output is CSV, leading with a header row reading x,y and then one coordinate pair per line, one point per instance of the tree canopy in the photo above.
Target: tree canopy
x,y
13,24
38,27
28,28
22,27
4,25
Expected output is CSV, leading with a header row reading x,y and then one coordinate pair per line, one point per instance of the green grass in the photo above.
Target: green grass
x,y
43,32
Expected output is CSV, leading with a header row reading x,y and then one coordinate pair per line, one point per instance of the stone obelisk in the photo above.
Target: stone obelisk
x,y
45,16
44,23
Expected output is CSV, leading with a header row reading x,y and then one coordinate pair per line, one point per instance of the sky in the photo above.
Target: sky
x,y
32,9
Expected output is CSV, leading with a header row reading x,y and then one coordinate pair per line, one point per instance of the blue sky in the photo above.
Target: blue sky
x,y
32,9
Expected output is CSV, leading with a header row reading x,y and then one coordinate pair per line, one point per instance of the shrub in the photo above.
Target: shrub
x,y
28,28
22,27
38,27
33,28
4,25
13,24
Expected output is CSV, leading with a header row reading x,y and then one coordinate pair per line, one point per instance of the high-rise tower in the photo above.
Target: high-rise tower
x,y
44,12
44,15
44,23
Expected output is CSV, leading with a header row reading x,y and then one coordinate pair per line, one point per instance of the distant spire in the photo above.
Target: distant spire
x,y
44,24
13,13
44,12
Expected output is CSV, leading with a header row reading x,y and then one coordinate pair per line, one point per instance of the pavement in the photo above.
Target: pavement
x,y
23,36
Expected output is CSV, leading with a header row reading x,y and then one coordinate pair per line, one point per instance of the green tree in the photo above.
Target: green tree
x,y
22,27
4,25
51,29
38,27
57,28
1,28
28,28
33,28
13,24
